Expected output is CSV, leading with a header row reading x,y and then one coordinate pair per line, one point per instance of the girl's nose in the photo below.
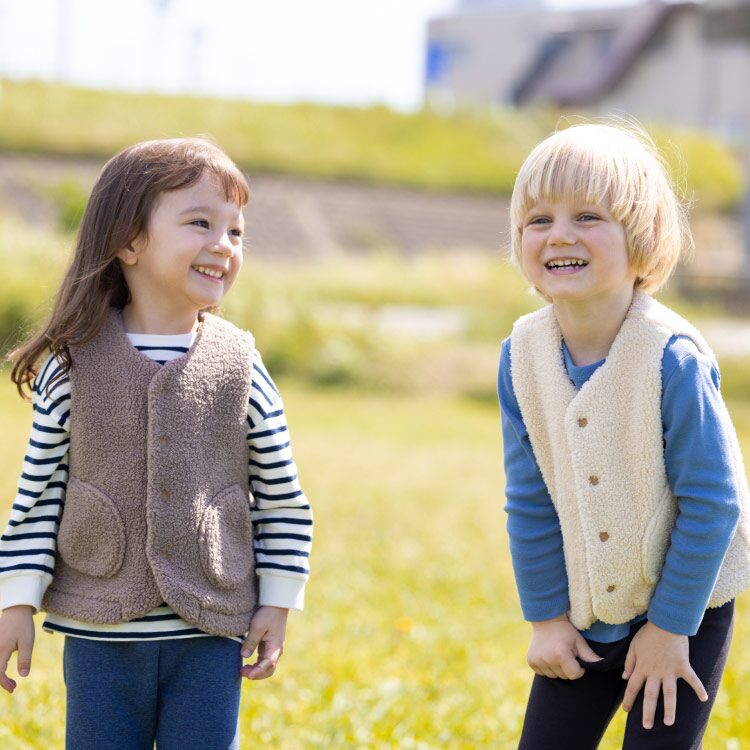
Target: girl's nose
x,y
223,246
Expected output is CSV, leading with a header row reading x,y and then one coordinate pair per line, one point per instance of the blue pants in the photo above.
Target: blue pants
x,y
183,694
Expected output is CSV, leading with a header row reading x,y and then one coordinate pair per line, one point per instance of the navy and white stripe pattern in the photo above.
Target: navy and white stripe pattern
x,y
282,515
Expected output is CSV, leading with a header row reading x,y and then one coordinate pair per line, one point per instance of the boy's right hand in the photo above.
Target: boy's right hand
x,y
16,634
555,644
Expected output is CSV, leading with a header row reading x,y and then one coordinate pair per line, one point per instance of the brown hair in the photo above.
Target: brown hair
x,y
117,212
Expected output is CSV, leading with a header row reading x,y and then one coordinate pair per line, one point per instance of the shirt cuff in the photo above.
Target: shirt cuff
x,y
23,589
278,591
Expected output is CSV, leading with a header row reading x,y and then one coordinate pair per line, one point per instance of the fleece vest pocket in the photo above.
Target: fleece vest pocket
x,y
91,539
226,538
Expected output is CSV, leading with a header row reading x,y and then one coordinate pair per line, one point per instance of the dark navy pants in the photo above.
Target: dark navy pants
x,y
183,694
574,714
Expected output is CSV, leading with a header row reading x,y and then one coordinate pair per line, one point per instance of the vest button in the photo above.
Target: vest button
x,y
166,494
594,480
163,440
603,535
610,589
582,421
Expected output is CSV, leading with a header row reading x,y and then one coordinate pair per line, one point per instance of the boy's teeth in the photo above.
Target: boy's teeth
x,y
209,272
567,262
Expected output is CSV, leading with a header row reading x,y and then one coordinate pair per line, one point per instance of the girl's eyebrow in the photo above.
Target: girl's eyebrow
x,y
196,210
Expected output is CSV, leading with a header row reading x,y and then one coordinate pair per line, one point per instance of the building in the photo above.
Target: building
x,y
684,62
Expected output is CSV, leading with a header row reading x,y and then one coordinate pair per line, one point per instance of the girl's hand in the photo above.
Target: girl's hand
x,y
16,634
658,658
555,644
267,631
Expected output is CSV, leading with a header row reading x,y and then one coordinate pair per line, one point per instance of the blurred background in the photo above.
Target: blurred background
x,y
381,140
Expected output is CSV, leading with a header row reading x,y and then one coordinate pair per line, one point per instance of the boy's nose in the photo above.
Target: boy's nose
x,y
561,234
222,246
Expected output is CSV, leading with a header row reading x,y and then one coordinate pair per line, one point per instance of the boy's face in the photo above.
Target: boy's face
x,y
574,252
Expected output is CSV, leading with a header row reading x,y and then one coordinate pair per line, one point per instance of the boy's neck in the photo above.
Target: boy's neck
x,y
590,328
149,321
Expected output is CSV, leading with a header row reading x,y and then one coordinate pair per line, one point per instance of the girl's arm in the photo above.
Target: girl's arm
x,y
282,516
27,547
533,525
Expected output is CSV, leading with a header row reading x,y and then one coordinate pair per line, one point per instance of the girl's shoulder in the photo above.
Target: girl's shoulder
x,y
52,380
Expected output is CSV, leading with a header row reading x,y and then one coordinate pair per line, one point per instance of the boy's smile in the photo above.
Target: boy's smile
x,y
574,251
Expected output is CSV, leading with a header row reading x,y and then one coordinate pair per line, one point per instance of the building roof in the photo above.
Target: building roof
x,y
579,63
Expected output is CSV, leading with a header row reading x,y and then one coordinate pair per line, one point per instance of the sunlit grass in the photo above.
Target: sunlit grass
x,y
474,151
412,636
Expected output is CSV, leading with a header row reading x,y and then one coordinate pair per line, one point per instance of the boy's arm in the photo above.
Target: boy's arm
x,y
282,516
701,476
533,525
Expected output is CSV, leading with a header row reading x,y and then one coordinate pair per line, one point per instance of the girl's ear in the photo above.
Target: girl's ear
x,y
129,254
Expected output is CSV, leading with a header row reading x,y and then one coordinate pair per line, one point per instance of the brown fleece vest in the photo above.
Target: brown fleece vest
x,y
157,507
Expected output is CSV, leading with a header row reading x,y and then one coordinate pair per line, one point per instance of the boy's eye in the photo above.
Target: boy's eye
x,y
538,220
236,232
200,223
588,217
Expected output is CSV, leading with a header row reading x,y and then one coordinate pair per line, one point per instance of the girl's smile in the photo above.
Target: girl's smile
x,y
188,260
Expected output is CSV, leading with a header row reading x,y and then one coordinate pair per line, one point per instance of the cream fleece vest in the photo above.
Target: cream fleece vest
x,y
600,451
157,507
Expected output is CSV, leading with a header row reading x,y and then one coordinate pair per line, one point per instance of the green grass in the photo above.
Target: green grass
x,y
412,636
467,151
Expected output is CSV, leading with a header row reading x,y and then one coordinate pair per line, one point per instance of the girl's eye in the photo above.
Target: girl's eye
x,y
201,223
538,220
588,217
236,232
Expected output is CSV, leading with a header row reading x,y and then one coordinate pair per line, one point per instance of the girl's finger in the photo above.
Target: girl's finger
x,y
629,665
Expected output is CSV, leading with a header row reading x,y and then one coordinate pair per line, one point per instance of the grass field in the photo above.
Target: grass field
x,y
467,151
412,636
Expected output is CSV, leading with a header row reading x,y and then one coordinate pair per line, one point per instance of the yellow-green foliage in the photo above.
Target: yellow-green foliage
x,y
412,636
468,151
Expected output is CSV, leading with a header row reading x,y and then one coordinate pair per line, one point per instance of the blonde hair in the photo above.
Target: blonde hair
x,y
117,212
617,166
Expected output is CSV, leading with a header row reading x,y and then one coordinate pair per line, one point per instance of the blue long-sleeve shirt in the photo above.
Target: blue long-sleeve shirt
x,y
700,475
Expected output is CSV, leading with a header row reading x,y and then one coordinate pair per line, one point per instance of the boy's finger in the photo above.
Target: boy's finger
x,y
631,691
629,665
694,681
585,651
669,688
5,682
650,698
572,670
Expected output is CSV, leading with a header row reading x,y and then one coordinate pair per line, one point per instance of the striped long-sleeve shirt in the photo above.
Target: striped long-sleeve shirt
x,y
282,516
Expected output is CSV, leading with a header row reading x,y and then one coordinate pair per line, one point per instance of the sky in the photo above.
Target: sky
x,y
352,52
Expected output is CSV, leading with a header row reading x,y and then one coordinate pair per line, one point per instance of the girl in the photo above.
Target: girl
x,y
626,492
159,479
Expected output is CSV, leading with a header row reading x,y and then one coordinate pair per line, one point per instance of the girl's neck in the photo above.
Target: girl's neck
x,y
152,322
589,329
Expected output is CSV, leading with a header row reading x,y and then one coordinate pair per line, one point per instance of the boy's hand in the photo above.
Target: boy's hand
x,y
16,634
555,644
267,631
658,658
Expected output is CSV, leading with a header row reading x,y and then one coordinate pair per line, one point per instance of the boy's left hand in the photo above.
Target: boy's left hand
x,y
658,658
267,632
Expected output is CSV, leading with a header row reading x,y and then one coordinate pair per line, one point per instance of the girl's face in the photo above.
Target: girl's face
x,y
574,252
192,254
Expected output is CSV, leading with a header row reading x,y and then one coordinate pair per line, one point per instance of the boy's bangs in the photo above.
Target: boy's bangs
x,y
577,176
